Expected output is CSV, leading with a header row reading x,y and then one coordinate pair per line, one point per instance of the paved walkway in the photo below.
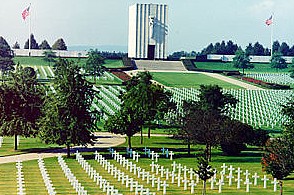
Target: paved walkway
x,y
104,140
233,81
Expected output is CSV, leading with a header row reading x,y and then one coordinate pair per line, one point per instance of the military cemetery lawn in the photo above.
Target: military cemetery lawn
x,y
26,145
34,180
258,67
194,80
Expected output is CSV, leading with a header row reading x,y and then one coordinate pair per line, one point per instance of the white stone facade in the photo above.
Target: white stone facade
x,y
148,31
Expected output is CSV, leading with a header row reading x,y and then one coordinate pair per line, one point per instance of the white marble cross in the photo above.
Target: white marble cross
x,y
230,177
275,182
264,179
174,164
224,167
193,185
152,165
164,185
255,176
247,183
185,181
246,175
171,154
156,157
231,169
220,184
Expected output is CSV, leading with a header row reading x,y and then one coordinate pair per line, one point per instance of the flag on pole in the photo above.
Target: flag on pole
x,y
269,21
25,13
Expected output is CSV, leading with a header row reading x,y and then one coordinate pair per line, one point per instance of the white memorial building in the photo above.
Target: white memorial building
x,y
148,31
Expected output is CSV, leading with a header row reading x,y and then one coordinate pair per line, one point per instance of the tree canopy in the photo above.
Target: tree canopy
x,y
67,117
21,100
34,44
278,62
44,45
94,64
59,45
242,60
6,57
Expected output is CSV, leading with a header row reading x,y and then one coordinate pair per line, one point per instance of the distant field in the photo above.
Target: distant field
x,y
259,67
38,61
172,79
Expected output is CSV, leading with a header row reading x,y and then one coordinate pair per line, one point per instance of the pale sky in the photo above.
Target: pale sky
x,y
193,24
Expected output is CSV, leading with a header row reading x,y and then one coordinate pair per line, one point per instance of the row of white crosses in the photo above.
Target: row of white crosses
x,y
44,72
103,93
70,176
159,175
111,94
279,78
108,75
1,141
238,171
20,178
51,72
93,174
46,177
255,107
121,176
151,154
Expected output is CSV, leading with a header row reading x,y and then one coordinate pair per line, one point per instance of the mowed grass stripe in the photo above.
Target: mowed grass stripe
x,y
34,183
59,181
194,80
8,183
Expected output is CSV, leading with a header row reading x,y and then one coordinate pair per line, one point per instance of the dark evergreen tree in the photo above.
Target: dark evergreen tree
x,y
276,47
258,49
16,45
284,49
44,45
34,44
6,57
207,50
59,45
249,49
231,48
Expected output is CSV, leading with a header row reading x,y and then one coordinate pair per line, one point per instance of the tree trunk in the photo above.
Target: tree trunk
x,y
243,71
149,132
281,187
189,147
68,150
15,142
204,188
129,141
208,152
141,135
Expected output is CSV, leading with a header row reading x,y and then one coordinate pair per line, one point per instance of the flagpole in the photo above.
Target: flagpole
x,y
272,32
30,31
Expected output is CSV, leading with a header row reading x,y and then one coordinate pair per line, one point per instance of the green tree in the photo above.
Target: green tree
x,y
242,60
125,122
59,45
278,62
49,56
276,46
94,64
34,44
44,45
6,57
67,117
277,159
21,100
203,120
205,172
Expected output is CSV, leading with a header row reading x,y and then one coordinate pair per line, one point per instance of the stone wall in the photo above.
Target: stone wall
x,y
59,53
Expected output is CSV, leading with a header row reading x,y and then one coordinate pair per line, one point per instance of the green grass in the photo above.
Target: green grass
x,y
26,145
38,61
249,160
194,80
258,67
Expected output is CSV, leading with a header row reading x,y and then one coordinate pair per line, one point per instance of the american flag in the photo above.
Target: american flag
x,y
25,13
269,21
